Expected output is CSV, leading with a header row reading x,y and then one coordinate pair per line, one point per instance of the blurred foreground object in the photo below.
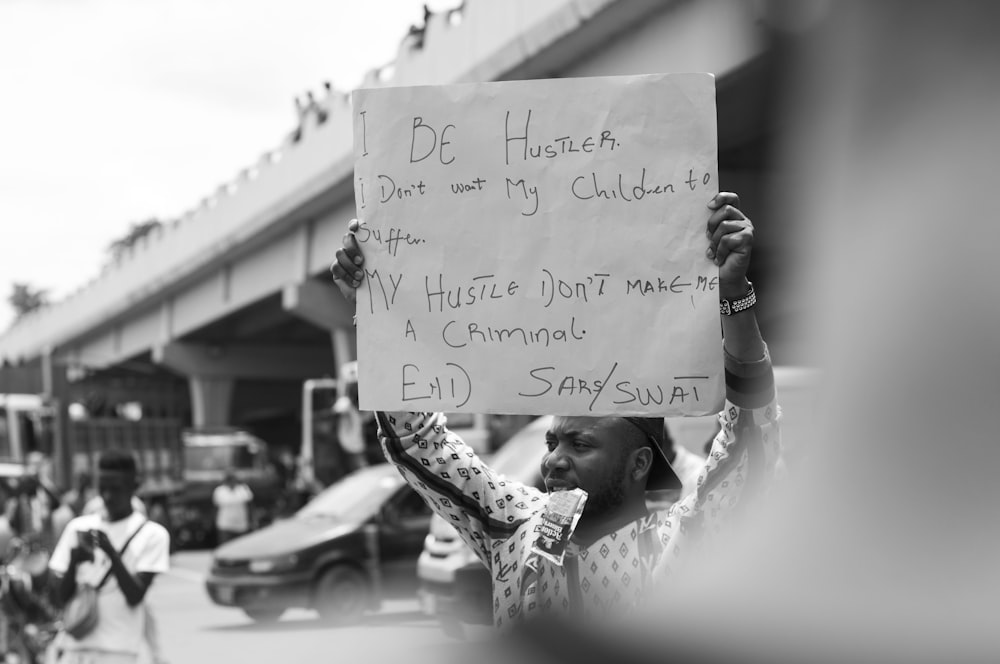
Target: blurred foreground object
x,y
884,544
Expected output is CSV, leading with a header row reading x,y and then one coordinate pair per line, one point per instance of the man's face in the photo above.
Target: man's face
x,y
116,489
587,453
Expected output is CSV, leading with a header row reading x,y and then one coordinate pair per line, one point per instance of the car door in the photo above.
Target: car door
x,y
403,524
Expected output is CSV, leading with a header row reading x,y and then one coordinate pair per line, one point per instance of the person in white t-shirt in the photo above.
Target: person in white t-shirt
x,y
232,508
352,423
95,505
90,546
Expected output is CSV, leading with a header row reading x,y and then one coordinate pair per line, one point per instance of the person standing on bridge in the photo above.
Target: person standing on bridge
x,y
619,546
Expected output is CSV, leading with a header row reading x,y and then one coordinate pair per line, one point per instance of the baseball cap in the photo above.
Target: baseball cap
x,y
661,474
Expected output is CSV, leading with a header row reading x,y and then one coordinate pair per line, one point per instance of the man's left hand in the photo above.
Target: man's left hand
x,y
730,236
102,542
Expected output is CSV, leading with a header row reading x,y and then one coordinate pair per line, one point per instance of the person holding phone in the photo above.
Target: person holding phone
x,y
123,545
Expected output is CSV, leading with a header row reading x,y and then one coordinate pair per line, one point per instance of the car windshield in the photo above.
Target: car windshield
x,y
358,495
520,457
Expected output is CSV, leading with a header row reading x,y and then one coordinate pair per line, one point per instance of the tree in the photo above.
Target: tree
x,y
136,232
25,298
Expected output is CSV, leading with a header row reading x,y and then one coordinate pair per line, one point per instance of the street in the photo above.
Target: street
x,y
194,630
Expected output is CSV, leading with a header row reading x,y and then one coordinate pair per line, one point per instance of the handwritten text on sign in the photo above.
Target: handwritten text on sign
x,y
539,246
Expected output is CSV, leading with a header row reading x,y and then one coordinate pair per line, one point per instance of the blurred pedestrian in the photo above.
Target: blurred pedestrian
x,y
37,498
83,491
232,500
7,533
118,551
305,486
72,502
95,505
352,423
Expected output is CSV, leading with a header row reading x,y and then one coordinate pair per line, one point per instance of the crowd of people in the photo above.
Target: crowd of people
x,y
90,551
35,511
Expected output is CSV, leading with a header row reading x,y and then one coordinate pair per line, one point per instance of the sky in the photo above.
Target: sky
x,y
116,111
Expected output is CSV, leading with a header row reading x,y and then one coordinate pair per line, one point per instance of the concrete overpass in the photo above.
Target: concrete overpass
x,y
234,300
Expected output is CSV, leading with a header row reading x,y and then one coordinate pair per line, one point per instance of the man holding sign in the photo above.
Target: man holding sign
x,y
590,546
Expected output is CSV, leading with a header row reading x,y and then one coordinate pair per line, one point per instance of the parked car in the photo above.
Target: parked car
x,y
341,554
454,585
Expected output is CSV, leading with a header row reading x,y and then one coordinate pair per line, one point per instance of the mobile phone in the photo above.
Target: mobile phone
x,y
85,542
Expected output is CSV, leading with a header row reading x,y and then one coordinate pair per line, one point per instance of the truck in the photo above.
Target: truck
x,y
178,467
156,444
321,459
208,455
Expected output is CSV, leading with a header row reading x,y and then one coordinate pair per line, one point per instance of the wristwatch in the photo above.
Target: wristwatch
x,y
730,307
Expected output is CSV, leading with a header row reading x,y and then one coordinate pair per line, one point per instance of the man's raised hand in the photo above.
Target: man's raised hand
x,y
348,270
730,236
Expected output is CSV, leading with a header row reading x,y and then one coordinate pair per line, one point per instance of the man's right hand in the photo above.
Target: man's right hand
x,y
348,270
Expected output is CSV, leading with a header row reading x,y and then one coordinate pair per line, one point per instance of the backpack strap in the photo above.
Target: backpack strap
x,y
121,553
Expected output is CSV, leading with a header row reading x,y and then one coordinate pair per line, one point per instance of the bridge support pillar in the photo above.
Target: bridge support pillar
x,y
211,399
343,341
212,371
324,307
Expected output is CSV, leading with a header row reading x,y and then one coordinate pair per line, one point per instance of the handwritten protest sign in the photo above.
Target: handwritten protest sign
x,y
539,247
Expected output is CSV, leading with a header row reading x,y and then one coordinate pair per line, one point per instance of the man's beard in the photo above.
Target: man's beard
x,y
609,496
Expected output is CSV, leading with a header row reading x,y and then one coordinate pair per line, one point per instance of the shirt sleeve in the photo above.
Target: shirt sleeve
x,y
482,505
154,555
59,560
743,459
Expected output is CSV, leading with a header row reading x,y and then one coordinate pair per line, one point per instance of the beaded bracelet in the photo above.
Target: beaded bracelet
x,y
730,307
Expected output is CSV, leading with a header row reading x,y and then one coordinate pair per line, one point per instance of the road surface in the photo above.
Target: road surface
x,y
193,630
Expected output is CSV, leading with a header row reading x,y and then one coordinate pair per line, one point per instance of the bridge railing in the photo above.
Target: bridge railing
x,y
478,41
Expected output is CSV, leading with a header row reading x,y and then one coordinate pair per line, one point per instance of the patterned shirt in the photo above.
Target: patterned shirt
x,y
498,518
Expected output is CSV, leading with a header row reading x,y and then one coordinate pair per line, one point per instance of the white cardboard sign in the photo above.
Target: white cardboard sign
x,y
539,247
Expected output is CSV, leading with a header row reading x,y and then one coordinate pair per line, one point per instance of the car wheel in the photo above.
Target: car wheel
x,y
264,615
341,595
